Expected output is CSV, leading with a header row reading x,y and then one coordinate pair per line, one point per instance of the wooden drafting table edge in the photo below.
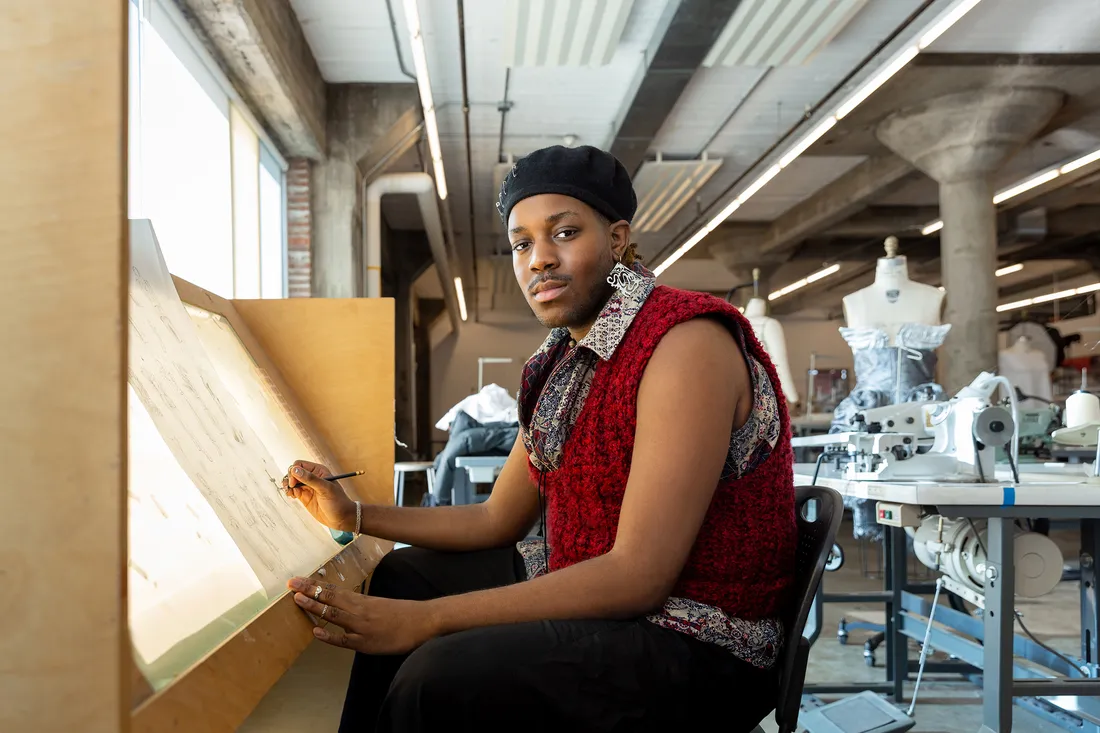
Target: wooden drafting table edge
x,y
195,296
221,690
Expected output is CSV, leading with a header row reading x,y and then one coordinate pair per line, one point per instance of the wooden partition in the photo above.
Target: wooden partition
x,y
63,252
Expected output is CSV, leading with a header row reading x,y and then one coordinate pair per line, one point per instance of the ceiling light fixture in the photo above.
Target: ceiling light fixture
x,y
461,298
1072,292
1028,183
1009,270
900,60
797,285
420,63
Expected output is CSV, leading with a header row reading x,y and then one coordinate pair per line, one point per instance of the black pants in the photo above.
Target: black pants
x,y
570,676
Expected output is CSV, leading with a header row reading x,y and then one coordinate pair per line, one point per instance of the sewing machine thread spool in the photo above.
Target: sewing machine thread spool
x,y
1082,407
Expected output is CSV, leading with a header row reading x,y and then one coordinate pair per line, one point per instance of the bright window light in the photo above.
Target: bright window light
x,y
461,298
1027,185
820,274
1008,270
877,81
949,20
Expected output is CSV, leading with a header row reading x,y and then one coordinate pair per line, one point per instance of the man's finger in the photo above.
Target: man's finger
x,y
303,476
327,593
338,637
325,612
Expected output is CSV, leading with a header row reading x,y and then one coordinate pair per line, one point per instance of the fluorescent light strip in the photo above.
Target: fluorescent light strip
x,y
1008,270
807,141
899,63
423,83
949,20
1080,162
461,298
878,80
758,184
820,274
1017,304
1028,184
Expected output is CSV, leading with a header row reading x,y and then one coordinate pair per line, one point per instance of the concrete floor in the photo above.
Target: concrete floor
x,y
310,695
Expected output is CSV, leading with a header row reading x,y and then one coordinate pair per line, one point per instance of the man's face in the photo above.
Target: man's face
x,y
562,252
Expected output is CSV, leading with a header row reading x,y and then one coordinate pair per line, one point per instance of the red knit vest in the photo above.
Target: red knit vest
x,y
743,560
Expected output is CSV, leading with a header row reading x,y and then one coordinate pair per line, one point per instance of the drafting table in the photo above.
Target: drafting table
x,y
1053,494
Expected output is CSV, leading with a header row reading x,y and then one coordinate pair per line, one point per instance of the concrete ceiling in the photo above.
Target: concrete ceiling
x,y
836,203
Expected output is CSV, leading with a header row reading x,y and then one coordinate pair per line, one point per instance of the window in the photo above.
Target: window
x,y
199,169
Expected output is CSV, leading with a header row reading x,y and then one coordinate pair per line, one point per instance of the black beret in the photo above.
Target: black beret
x,y
586,173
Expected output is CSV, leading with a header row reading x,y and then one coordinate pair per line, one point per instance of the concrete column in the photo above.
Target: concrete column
x,y
358,116
960,140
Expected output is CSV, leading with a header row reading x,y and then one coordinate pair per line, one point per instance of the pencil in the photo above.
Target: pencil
x,y
337,477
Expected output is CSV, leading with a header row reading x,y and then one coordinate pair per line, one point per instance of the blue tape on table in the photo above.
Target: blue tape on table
x,y
1009,496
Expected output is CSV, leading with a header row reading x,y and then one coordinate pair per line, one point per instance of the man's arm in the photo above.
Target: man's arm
x,y
695,390
504,518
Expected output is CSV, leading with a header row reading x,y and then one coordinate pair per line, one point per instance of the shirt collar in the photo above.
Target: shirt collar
x,y
611,325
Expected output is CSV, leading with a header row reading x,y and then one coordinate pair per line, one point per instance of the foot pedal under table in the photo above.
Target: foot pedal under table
x,y
862,713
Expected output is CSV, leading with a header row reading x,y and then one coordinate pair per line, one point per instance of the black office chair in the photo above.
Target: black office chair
x,y
815,540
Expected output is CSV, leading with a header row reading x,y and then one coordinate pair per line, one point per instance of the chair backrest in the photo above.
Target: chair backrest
x,y
815,540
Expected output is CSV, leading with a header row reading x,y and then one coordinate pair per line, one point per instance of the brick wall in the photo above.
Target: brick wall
x,y
299,222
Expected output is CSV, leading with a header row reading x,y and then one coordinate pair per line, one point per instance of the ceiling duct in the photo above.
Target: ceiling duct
x,y
664,186
780,32
563,32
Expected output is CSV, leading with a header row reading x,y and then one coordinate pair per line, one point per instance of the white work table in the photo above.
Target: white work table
x,y
1036,489
1044,491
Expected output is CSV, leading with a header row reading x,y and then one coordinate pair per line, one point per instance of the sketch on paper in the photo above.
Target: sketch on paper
x,y
209,434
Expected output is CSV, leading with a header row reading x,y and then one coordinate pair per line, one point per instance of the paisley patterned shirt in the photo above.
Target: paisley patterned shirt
x,y
556,381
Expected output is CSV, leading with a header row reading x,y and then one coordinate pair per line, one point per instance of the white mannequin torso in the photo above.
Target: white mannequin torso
x,y
1027,368
770,333
893,300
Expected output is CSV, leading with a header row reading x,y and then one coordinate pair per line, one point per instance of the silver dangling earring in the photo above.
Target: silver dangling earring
x,y
623,278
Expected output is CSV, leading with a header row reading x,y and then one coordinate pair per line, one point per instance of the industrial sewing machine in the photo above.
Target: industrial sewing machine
x,y
953,440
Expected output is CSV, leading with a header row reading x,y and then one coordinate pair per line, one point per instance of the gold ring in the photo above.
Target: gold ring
x,y
317,593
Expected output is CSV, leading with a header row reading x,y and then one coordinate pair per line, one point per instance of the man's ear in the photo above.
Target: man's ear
x,y
620,237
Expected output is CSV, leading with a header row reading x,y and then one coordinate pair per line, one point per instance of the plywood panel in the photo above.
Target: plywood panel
x,y
63,254
337,356
221,691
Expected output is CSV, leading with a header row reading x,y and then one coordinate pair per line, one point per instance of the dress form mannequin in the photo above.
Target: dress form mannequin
x,y
893,300
893,328
1027,368
770,333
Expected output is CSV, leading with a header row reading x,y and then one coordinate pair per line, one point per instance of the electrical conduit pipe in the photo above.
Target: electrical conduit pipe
x,y
423,186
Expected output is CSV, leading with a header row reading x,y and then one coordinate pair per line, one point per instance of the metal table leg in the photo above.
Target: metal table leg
x,y
1090,612
897,645
999,628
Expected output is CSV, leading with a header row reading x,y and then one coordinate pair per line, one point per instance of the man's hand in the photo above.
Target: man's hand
x,y
324,500
365,623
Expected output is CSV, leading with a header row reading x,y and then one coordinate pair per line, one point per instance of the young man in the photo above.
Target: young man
x,y
654,441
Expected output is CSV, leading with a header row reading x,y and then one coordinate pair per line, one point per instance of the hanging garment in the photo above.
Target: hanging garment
x,y
887,375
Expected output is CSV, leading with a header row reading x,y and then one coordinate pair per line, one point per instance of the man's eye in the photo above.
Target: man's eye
x,y
565,233
519,246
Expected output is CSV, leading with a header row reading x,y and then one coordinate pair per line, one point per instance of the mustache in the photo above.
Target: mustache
x,y
547,279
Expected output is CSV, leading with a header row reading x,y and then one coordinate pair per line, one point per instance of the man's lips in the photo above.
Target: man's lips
x,y
550,291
